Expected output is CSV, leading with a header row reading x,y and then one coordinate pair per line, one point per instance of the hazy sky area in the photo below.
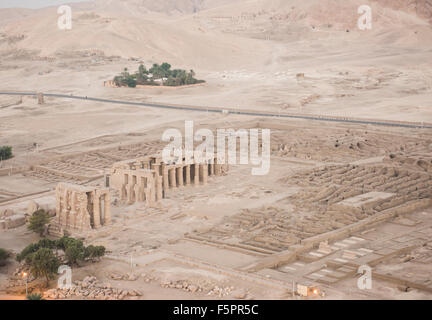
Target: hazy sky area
x,y
34,3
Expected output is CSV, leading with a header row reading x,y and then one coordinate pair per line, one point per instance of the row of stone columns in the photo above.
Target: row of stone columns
x,y
134,190
183,175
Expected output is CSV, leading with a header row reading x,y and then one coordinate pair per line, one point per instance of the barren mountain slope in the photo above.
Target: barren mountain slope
x,y
204,35
146,36
161,6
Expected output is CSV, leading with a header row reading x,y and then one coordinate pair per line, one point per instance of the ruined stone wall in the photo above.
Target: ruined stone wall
x,y
78,208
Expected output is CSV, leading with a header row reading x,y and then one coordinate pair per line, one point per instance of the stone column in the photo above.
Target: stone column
x,y
131,189
107,207
204,173
150,192
156,168
188,175
64,212
197,174
159,191
123,192
96,211
153,193
148,197
224,168
180,176
137,189
69,209
172,173
73,213
165,179
218,169
212,169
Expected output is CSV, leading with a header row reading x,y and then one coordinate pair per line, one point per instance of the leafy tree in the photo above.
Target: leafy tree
x,y
27,252
74,249
131,82
125,73
142,75
165,66
44,264
156,71
142,71
4,255
118,80
34,296
94,251
47,243
171,82
64,242
38,221
5,152
75,252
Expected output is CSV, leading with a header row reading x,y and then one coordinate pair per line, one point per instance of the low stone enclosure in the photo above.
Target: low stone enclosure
x,y
148,178
80,208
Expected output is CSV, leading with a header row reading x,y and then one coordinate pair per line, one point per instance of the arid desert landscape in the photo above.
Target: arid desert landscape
x,y
350,178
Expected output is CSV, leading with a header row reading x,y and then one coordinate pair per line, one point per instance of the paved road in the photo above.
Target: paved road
x,y
233,111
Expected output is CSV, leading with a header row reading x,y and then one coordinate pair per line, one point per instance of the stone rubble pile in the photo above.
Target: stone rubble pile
x,y
210,290
131,277
181,285
220,291
91,288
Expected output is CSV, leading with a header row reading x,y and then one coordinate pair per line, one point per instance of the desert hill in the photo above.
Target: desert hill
x,y
202,26
162,6
145,36
207,30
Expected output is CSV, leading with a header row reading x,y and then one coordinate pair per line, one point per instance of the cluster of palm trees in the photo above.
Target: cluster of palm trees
x,y
156,75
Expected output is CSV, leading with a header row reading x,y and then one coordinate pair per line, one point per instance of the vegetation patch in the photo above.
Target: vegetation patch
x,y
44,257
4,255
5,152
38,221
157,75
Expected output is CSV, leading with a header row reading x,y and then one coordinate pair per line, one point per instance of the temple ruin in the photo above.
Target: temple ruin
x,y
80,208
149,178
